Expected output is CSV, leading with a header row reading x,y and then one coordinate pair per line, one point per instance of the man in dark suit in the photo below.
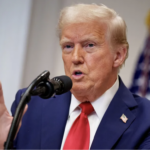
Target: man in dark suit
x,y
94,47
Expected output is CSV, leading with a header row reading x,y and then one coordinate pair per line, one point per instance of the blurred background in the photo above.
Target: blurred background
x,y
29,43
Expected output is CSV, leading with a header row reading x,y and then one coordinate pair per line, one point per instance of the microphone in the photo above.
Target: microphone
x,y
48,88
43,87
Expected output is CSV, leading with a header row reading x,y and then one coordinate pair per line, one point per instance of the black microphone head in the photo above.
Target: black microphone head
x,y
64,82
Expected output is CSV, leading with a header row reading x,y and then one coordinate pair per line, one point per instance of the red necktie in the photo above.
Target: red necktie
x,y
79,134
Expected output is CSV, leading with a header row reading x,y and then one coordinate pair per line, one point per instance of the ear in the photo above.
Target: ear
x,y
120,56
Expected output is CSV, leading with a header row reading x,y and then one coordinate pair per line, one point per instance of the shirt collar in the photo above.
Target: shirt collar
x,y
101,104
74,104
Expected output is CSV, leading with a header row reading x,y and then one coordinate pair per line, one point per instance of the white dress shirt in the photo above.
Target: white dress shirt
x,y
100,106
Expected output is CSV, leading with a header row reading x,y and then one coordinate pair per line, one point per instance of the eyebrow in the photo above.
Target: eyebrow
x,y
85,38
64,40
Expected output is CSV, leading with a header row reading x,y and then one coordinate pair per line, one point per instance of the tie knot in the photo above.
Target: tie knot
x,y
87,108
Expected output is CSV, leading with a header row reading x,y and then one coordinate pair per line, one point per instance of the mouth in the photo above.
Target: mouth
x,y
77,74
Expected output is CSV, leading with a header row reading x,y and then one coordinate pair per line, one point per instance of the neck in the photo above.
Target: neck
x,y
93,94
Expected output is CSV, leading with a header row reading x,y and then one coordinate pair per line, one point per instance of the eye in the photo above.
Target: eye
x,y
67,46
90,45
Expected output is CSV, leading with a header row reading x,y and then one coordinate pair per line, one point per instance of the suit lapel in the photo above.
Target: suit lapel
x,y
112,127
53,124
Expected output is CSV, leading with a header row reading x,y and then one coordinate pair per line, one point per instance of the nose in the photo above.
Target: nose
x,y
77,55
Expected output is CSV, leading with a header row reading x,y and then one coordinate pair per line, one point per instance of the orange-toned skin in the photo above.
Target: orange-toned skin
x,y
85,48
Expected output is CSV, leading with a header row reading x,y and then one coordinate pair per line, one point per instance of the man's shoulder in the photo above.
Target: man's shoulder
x,y
142,102
131,99
20,93
37,100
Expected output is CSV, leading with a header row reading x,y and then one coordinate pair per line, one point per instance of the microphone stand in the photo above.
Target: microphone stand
x,y
19,111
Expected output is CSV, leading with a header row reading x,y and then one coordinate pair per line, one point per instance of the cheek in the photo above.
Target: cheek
x,y
99,64
67,63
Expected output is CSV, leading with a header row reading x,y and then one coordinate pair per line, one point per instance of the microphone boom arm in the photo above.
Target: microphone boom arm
x,y
19,111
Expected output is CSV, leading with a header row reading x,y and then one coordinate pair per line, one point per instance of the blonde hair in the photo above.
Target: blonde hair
x,y
81,13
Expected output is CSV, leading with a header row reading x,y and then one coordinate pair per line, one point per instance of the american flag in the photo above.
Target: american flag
x,y
124,118
141,78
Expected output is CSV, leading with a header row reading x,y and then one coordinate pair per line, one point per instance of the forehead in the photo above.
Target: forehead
x,y
83,31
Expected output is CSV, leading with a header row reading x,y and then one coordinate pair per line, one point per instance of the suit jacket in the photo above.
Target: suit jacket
x,y
44,122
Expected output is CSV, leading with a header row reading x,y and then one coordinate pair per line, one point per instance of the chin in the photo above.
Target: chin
x,y
79,89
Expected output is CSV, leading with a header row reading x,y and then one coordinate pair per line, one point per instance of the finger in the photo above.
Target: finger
x,y
1,94
25,109
2,103
5,123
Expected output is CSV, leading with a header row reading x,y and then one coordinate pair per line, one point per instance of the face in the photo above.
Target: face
x,y
88,59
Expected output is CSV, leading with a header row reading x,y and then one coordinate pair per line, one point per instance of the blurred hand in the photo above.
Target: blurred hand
x,y
5,119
